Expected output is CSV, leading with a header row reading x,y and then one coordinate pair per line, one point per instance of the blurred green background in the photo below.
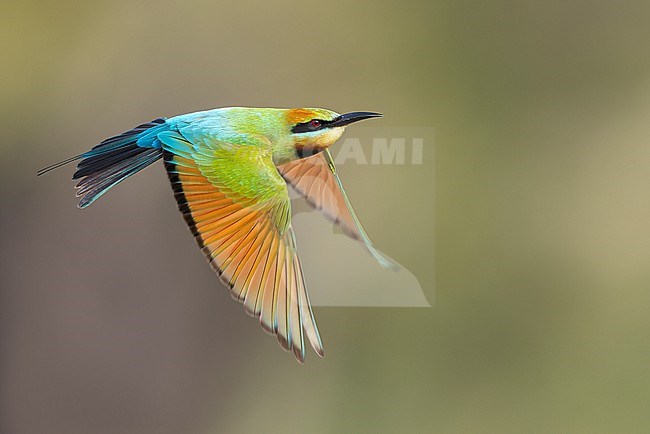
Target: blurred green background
x,y
111,322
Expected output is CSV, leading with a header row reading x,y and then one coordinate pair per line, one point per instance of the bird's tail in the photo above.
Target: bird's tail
x,y
114,160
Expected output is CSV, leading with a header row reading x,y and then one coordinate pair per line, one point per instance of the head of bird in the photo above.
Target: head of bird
x,y
313,129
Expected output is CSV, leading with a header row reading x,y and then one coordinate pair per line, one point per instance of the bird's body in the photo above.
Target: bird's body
x,y
229,169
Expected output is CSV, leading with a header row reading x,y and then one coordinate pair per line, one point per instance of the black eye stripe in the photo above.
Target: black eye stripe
x,y
307,127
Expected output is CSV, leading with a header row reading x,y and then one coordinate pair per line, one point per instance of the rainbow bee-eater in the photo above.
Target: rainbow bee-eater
x,y
229,169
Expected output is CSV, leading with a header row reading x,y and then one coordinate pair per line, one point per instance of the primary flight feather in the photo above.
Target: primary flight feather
x,y
229,169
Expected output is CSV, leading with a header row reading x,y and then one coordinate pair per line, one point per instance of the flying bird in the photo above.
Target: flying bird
x,y
229,169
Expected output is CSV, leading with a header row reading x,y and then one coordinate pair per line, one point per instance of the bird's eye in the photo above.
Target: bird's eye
x,y
310,126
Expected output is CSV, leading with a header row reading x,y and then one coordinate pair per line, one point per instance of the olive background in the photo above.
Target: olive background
x,y
528,225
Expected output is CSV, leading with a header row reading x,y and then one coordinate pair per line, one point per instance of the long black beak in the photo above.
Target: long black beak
x,y
349,118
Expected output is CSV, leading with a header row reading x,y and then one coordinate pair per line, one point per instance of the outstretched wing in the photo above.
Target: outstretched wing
x,y
238,209
316,179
